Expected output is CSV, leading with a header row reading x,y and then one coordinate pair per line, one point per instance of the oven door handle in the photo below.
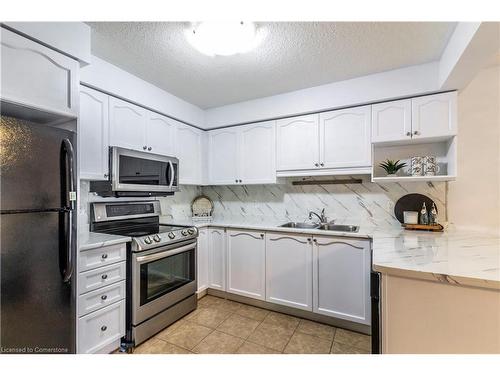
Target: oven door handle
x,y
164,254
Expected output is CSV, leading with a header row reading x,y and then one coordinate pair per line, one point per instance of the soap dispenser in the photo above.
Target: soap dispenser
x,y
433,215
424,217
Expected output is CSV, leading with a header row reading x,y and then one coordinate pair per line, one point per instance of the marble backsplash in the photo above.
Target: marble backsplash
x,y
366,204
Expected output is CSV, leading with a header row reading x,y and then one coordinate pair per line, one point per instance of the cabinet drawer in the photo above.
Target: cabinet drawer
x,y
99,277
100,298
100,328
102,256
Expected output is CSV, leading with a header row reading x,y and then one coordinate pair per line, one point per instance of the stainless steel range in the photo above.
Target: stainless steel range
x,y
161,265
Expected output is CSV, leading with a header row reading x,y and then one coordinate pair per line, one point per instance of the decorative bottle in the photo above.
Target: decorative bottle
x,y
433,215
424,217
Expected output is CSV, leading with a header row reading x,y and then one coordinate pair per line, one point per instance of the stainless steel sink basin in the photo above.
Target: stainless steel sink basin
x,y
339,227
300,225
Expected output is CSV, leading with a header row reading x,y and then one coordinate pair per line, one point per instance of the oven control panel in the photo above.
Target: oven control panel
x,y
161,239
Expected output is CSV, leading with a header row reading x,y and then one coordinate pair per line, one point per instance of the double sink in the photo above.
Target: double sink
x,y
327,226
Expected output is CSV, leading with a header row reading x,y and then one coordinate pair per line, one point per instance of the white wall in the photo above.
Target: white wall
x,y
113,80
411,81
474,198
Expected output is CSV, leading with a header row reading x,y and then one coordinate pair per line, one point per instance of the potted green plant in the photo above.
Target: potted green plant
x,y
392,167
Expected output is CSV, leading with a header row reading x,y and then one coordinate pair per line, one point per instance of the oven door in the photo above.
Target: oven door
x,y
162,277
137,171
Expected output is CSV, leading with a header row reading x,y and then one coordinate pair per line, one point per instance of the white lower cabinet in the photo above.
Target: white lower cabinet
x,y
217,258
289,270
101,328
101,298
341,278
202,260
246,263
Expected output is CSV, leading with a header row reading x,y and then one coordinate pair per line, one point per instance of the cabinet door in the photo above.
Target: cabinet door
x,y
202,260
93,133
345,138
246,252
36,76
217,259
341,278
297,143
160,134
391,121
258,153
127,125
289,270
189,152
223,162
434,115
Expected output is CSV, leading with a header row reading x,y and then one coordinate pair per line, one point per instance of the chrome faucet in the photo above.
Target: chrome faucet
x,y
322,218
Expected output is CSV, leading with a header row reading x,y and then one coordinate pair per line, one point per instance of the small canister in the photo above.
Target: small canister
x,y
410,217
416,165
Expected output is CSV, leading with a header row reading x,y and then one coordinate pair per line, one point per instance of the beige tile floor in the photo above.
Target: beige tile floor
x,y
220,326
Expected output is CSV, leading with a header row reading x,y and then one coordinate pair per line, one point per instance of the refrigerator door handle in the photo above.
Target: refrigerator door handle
x,y
68,178
68,203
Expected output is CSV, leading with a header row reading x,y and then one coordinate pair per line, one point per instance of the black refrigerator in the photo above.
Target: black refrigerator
x,y
38,232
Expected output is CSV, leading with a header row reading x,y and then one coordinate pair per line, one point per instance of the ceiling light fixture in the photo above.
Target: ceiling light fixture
x,y
224,38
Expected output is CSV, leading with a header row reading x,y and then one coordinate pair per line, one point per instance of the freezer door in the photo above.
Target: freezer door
x,y
37,307
30,163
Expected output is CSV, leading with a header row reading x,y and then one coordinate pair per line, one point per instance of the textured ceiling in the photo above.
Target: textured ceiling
x,y
294,55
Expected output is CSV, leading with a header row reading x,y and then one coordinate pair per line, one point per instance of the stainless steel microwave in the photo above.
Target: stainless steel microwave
x,y
136,173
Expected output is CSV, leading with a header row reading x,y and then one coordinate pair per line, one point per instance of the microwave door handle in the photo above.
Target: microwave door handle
x,y
164,254
172,175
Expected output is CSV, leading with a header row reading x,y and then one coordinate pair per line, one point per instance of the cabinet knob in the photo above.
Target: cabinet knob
x,y
236,181
104,297
106,175
316,164
416,132
408,134
308,240
150,148
144,147
104,256
262,235
103,328
104,277
315,240
241,181
322,164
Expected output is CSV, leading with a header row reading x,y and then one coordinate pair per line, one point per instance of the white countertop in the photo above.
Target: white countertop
x,y
92,240
454,256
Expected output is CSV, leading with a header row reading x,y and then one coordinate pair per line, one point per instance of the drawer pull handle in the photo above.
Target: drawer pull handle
x,y
103,328
104,256
104,277
103,297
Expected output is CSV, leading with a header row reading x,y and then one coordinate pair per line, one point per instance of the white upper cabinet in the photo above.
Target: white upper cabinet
x,y
217,258
242,154
289,270
391,121
426,117
93,133
127,125
297,143
223,156
434,115
258,153
36,76
345,138
189,141
246,263
341,278
160,134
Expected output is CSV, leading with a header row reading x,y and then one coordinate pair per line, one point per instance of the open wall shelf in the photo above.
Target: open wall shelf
x,y
445,152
